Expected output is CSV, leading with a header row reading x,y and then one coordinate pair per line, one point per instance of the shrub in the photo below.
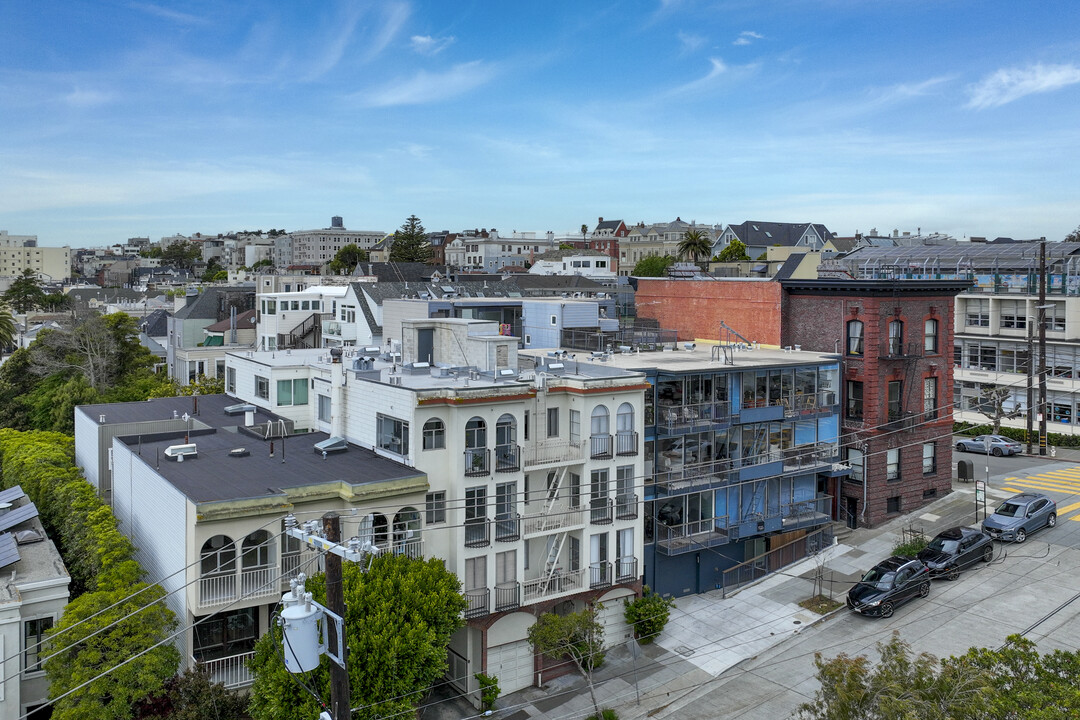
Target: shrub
x,y
647,614
605,714
489,690
911,546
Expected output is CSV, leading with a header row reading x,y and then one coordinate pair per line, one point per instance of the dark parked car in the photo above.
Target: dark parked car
x,y
888,584
1021,515
955,549
998,445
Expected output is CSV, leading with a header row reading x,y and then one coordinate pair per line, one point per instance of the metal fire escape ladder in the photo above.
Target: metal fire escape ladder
x,y
554,550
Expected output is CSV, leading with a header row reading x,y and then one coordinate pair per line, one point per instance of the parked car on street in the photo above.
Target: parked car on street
x,y
999,445
888,584
955,549
1019,516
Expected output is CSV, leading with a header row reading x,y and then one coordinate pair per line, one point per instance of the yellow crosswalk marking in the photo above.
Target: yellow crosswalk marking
x,y
1046,485
1068,508
1012,490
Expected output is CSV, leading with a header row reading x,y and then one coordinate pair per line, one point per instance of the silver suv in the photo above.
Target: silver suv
x,y
1019,516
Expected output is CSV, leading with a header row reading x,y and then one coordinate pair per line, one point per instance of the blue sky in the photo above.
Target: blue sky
x,y
121,119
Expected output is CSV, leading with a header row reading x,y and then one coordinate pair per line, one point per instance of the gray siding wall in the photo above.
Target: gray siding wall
x,y
153,515
87,453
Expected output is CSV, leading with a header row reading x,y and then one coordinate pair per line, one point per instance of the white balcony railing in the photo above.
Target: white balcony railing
x,y
232,671
259,582
560,583
551,452
217,589
560,516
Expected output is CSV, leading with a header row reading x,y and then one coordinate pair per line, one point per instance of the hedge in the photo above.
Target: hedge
x,y
1054,439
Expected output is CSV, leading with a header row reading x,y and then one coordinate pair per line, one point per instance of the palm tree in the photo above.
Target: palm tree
x,y
584,231
7,330
695,244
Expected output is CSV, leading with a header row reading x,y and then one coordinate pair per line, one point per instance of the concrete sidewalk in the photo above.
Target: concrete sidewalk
x,y
708,633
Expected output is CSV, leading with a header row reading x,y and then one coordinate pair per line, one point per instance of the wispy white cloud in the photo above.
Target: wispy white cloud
x,y
746,37
168,14
427,45
717,69
690,42
1009,84
333,48
84,98
426,87
394,16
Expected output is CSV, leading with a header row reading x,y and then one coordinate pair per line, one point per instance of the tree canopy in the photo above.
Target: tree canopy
x,y
7,330
399,617
25,293
347,258
410,242
734,252
1074,236
1013,682
695,245
652,266
181,254
579,635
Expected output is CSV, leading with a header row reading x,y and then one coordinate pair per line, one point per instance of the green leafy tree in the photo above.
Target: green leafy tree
x,y
901,685
127,655
695,244
7,330
264,263
399,617
652,266
734,252
578,635
347,258
1074,236
410,242
647,614
566,246
489,690
1026,684
212,269
25,293
181,254
56,302
193,695
16,384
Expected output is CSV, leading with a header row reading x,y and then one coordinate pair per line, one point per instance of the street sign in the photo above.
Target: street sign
x,y
980,491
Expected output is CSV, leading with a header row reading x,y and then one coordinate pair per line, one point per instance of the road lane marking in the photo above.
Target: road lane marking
x,y
1012,490
1068,508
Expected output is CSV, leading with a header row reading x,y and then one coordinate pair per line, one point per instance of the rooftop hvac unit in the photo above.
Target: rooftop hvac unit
x,y
181,451
332,444
239,409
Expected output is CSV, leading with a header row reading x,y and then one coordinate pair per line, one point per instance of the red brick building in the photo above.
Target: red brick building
x,y
896,344
694,308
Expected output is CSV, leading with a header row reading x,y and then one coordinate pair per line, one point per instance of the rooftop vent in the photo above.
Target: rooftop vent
x,y
239,452
28,536
239,409
332,444
181,451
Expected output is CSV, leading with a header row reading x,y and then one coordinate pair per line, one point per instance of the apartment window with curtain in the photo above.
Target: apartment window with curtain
x,y
930,398
854,337
892,464
929,458
896,337
895,400
977,312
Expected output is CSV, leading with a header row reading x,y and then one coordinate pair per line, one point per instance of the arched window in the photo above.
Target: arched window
x,y
434,434
854,337
476,433
896,338
218,556
505,431
255,551
600,425
624,419
407,530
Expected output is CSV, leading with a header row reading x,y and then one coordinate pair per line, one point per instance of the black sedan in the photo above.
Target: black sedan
x,y
955,549
888,584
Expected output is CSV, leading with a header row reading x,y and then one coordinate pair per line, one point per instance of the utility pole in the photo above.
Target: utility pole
x,y
335,602
1030,385
1042,347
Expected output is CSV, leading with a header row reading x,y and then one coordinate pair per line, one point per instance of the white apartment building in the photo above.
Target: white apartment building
x,y
490,252
534,477
301,318
19,252
318,247
591,264
32,600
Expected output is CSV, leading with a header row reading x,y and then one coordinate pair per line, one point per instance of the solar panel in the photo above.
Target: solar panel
x,y
9,550
11,494
18,515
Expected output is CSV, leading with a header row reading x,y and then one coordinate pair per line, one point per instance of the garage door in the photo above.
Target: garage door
x,y
612,617
512,664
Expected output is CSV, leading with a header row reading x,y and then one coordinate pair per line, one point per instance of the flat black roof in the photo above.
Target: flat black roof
x,y
208,409
875,287
214,476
